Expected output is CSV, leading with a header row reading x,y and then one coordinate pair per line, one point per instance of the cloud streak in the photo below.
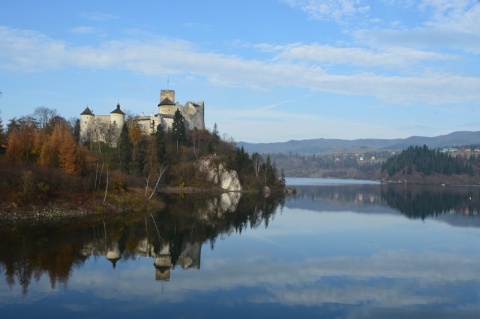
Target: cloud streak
x,y
293,65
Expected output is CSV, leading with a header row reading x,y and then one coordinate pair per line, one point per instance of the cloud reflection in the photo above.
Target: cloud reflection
x,y
392,279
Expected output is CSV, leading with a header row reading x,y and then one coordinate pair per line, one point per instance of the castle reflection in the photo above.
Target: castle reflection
x,y
172,238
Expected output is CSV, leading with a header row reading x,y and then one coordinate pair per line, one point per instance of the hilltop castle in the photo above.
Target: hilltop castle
x,y
107,128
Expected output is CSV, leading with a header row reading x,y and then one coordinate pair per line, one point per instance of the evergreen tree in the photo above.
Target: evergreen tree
x,y
124,150
270,172
12,125
178,128
3,138
76,131
160,143
215,131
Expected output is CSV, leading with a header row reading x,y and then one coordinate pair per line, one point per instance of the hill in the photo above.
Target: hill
x,y
322,145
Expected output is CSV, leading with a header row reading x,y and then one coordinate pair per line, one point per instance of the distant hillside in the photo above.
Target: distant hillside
x,y
322,145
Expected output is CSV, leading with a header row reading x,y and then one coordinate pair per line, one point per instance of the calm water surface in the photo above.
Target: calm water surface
x,y
338,249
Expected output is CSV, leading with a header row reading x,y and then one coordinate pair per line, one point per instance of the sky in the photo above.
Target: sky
x,y
267,70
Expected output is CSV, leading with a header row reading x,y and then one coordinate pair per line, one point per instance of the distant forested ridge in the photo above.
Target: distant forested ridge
x,y
324,145
429,161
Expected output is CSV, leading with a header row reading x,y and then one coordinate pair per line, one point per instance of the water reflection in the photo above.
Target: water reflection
x,y
413,201
417,201
172,238
333,251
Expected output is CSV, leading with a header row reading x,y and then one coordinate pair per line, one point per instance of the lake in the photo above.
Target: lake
x,y
336,249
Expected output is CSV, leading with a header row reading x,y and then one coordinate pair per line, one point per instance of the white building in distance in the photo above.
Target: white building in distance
x,y
107,128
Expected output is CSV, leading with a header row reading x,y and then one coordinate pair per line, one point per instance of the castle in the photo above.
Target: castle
x,y
107,128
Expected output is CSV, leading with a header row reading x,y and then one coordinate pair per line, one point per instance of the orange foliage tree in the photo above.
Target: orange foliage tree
x,y
59,150
20,143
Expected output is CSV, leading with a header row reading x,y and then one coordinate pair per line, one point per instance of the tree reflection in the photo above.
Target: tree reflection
x,y
172,236
416,201
412,200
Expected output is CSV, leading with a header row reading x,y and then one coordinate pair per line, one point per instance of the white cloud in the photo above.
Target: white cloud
x,y
24,50
336,10
393,57
294,66
391,279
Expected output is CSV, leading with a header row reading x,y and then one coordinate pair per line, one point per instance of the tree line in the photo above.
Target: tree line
x,y
428,161
327,165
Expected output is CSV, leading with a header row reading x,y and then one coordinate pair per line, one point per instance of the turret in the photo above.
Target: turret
x,y
117,119
86,122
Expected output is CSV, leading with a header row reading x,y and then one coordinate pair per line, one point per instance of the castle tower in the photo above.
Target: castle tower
x,y
167,104
86,123
117,117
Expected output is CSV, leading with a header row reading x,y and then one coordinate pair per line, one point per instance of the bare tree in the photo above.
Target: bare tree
x,y
257,164
43,115
196,142
106,190
162,169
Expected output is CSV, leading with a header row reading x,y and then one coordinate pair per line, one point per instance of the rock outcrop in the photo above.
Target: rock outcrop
x,y
226,179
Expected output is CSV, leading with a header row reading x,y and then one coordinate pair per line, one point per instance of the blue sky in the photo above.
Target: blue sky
x,y
268,71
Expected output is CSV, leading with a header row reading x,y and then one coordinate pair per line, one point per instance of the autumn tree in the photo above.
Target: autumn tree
x,y
20,142
58,149
137,162
67,154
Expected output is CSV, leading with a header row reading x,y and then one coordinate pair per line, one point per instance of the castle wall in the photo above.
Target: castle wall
x,y
107,128
86,123
193,112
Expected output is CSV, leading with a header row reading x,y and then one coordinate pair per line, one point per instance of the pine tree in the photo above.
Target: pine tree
x,y
3,138
76,131
160,143
270,172
178,127
215,131
124,149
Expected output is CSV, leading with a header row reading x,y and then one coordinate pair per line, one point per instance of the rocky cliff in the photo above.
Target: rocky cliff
x,y
216,173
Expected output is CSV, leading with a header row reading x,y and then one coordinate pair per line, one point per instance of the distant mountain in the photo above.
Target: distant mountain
x,y
322,145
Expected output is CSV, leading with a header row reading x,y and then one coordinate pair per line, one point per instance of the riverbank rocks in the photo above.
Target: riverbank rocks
x,y
216,173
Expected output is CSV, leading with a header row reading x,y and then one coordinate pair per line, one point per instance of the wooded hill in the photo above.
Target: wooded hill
x,y
42,159
428,161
